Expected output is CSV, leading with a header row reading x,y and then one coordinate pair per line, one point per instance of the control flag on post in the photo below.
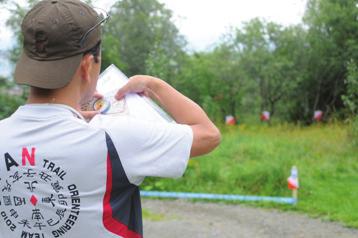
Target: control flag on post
x,y
293,179
230,120
318,115
265,116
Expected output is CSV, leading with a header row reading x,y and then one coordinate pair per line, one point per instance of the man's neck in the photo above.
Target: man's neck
x,y
62,96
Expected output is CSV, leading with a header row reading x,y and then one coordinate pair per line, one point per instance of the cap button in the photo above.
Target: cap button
x,y
54,1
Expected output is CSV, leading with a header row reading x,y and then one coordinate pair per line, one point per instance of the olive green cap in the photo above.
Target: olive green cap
x,y
56,34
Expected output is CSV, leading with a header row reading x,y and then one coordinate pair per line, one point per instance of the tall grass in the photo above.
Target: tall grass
x,y
256,160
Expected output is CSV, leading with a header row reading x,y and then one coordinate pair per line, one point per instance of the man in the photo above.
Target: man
x,y
63,177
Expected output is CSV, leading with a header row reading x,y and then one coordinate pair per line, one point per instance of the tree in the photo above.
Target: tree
x,y
350,99
140,34
332,39
269,54
228,81
288,70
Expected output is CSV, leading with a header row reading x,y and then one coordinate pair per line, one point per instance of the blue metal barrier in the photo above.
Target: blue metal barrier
x,y
230,197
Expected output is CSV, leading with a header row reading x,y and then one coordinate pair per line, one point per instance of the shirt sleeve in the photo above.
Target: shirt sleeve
x,y
146,148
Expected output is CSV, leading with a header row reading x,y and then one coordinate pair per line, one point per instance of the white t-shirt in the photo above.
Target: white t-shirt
x,y
63,177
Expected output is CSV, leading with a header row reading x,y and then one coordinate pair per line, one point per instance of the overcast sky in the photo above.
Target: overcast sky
x,y
202,22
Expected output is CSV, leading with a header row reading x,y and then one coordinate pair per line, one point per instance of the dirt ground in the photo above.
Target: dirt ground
x,y
180,218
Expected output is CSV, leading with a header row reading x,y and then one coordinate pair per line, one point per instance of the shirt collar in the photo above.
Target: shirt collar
x,y
48,109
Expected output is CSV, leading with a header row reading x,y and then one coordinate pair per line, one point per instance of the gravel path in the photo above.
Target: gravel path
x,y
178,218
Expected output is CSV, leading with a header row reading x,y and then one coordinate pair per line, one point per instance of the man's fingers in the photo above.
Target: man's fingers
x,y
97,95
144,94
136,84
119,94
122,92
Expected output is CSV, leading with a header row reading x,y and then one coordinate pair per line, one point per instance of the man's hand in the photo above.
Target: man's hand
x,y
137,84
88,115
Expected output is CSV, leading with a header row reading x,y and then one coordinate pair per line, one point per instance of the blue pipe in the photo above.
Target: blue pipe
x,y
229,197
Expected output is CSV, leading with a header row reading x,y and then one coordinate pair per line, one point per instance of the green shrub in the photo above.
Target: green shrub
x,y
9,104
354,131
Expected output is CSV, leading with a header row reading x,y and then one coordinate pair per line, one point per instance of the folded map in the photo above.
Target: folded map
x,y
133,104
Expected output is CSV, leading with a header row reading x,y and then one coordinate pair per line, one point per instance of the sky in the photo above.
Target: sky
x,y
202,22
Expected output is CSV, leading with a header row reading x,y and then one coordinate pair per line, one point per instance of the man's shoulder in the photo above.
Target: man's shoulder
x,y
51,123
3,121
80,126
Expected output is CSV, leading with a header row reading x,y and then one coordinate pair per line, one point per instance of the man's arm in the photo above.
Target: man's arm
x,y
184,111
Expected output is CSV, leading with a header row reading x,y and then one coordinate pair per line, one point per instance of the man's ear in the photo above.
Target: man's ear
x,y
86,65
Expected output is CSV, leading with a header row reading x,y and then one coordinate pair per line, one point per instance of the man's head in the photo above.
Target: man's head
x,y
61,39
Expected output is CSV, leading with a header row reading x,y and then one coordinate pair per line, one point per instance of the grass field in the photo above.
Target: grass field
x,y
256,160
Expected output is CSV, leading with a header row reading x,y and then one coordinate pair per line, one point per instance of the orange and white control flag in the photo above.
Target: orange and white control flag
x,y
293,179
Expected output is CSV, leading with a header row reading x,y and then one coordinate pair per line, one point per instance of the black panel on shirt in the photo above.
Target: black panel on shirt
x,y
125,197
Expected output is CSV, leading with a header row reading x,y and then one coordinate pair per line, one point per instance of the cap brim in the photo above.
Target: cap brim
x,y
46,74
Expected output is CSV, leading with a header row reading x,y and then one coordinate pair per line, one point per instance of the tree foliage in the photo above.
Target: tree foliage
x,y
350,98
271,58
9,103
139,35
332,40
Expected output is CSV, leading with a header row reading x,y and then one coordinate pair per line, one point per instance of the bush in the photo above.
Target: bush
x,y
350,99
354,131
